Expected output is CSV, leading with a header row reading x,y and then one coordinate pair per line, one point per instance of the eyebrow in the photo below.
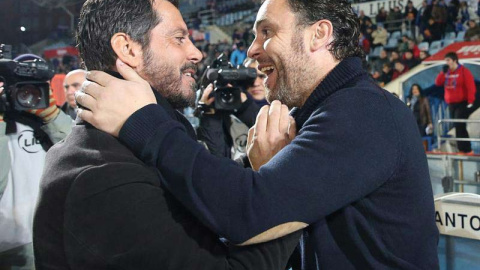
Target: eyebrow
x,y
258,23
183,31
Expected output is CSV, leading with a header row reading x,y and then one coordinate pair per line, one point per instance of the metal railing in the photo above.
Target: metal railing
x,y
441,138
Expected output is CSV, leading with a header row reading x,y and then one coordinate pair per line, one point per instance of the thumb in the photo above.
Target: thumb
x,y
127,72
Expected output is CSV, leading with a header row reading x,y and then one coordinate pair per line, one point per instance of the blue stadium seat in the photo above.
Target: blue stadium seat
x,y
460,36
435,47
424,46
448,42
376,52
392,43
450,36
396,35
408,33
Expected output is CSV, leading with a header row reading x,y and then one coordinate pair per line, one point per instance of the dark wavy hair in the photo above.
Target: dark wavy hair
x,y
346,26
453,56
101,19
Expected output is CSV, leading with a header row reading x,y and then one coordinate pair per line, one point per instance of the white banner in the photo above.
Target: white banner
x,y
458,214
371,8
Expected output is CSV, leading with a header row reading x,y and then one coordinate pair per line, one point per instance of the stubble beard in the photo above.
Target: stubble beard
x,y
290,85
166,80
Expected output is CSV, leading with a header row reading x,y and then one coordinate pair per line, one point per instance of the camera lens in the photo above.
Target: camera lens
x,y
29,96
227,97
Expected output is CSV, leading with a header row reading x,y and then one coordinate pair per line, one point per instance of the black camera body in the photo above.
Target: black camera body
x,y
25,83
228,82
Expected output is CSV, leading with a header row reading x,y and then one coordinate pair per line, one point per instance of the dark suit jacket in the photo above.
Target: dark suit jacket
x,y
102,208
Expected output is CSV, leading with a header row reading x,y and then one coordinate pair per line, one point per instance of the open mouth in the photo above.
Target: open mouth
x,y
266,69
188,73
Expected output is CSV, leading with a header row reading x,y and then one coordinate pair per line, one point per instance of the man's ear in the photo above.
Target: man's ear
x,y
127,50
321,35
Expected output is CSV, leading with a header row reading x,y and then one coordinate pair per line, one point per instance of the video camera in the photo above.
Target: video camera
x,y
223,74
25,82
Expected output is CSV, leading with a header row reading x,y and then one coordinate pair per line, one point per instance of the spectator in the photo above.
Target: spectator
x,y
363,18
410,16
364,43
460,92
412,46
387,75
473,32
379,36
459,26
452,12
400,69
439,15
421,110
403,46
369,28
380,61
239,55
237,36
466,13
381,16
433,31
424,55
423,15
394,56
394,19
409,61
72,83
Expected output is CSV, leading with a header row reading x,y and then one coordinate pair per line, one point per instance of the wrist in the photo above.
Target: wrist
x,y
49,114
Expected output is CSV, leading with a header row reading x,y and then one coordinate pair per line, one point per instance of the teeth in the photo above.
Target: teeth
x,y
187,74
267,69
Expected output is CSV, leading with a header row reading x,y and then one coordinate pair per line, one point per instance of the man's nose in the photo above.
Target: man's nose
x,y
195,54
255,49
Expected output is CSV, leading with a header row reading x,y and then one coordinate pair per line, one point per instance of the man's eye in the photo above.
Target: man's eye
x,y
181,39
265,32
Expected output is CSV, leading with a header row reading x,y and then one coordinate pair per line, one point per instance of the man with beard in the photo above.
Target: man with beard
x,y
99,206
356,172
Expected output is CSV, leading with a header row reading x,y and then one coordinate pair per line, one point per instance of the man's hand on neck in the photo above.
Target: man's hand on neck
x,y
107,102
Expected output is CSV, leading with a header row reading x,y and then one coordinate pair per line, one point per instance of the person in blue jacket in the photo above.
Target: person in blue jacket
x,y
356,173
238,55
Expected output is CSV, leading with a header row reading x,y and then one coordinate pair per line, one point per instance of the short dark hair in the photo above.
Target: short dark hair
x,y
346,26
101,19
452,55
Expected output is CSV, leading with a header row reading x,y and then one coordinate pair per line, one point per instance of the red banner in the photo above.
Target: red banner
x,y
464,50
59,52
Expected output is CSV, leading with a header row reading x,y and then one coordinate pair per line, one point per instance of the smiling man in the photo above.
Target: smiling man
x,y
356,172
102,208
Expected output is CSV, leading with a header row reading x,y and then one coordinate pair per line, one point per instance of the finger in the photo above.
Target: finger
x,y
100,77
260,127
205,96
85,115
274,116
91,88
292,129
284,120
127,72
85,100
251,132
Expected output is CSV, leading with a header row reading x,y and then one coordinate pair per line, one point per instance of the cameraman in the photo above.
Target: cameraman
x,y
225,133
24,139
